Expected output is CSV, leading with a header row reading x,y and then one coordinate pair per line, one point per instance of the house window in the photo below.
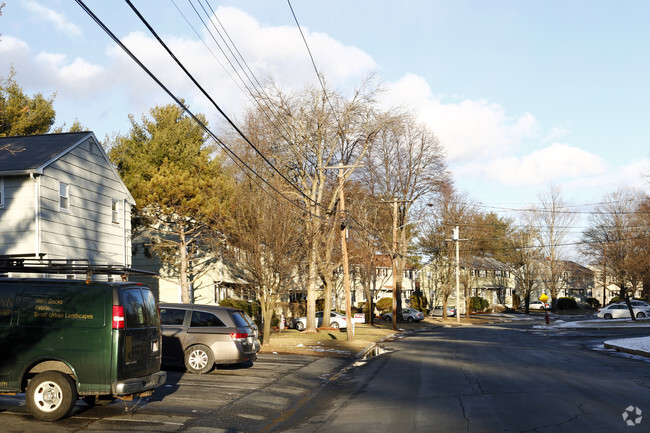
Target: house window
x,y
64,197
115,211
482,273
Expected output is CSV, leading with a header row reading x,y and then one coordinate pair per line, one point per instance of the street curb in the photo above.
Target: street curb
x,y
627,350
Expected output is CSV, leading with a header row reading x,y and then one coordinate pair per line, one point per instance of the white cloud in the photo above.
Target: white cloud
x,y
60,22
551,164
469,130
555,133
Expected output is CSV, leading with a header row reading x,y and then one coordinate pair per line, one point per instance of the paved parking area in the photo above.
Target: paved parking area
x,y
243,398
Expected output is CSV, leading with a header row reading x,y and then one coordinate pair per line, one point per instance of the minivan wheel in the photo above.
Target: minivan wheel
x,y
51,395
640,314
199,359
300,326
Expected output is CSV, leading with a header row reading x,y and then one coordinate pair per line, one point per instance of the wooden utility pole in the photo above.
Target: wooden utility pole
x,y
344,250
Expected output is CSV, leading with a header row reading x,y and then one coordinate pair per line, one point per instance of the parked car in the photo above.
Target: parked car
x,y
62,339
437,311
636,303
409,314
618,311
200,336
538,305
337,321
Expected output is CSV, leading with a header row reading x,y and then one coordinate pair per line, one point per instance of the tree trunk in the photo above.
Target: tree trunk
x,y
186,297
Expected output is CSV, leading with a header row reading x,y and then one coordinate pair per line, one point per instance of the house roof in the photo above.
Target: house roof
x,y
30,154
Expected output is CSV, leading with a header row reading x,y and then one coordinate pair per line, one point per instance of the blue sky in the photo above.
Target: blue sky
x,y
522,94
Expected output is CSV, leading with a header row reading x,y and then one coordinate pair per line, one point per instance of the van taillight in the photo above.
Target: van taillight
x,y
238,335
118,317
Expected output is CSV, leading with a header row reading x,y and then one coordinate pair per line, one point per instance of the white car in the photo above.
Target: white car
x,y
636,303
538,305
337,321
620,311
409,314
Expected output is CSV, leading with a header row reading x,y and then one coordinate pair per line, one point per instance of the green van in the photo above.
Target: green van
x,y
64,339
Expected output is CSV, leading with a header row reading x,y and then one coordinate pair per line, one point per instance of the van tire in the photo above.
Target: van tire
x,y
51,396
199,359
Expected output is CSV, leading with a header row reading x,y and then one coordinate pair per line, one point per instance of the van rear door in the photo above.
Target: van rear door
x,y
140,339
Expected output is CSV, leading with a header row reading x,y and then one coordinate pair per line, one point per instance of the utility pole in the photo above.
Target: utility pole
x,y
455,237
344,249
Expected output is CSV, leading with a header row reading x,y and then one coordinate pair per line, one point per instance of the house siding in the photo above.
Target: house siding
x,y
87,230
17,230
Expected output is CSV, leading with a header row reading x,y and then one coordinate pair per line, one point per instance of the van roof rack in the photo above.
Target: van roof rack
x,y
22,264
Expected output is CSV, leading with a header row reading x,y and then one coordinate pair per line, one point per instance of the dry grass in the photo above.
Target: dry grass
x,y
334,342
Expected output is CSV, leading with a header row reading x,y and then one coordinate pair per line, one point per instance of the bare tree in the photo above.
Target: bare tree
x,y
311,132
617,240
406,167
525,261
552,222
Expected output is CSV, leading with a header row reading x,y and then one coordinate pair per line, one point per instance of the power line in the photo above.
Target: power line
x,y
233,155
225,116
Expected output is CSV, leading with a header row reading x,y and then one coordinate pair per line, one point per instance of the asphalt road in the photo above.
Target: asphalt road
x,y
494,378
240,398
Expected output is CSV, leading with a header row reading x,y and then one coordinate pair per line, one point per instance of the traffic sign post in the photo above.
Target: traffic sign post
x,y
544,298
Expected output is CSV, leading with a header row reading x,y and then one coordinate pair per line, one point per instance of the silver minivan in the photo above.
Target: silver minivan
x,y
200,336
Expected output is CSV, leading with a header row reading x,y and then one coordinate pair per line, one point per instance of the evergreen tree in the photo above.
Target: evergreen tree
x,y
21,114
180,188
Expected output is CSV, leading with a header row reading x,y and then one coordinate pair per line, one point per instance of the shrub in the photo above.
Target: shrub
x,y
418,302
250,308
384,304
566,303
593,302
479,304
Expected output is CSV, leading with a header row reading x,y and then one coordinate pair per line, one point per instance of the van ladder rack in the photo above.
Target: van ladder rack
x,y
60,266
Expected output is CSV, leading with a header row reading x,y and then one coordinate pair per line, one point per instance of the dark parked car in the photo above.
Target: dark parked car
x,y
200,336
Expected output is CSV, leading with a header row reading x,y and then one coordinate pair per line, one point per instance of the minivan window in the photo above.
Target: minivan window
x,y
134,309
152,308
240,321
172,316
200,318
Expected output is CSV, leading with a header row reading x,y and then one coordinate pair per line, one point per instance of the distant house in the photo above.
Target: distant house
x,y
484,277
61,198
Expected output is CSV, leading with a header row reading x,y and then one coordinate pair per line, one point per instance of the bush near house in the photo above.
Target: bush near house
x,y
250,308
593,302
567,303
478,304
384,304
418,302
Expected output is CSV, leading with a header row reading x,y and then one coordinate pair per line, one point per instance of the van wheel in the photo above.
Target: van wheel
x,y
199,359
51,395
300,326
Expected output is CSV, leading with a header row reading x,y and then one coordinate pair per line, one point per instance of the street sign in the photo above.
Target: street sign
x,y
543,298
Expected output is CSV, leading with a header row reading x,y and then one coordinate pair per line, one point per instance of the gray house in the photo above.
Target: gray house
x,y
61,198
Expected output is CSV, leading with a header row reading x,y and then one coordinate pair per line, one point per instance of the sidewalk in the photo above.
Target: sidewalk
x,y
635,346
